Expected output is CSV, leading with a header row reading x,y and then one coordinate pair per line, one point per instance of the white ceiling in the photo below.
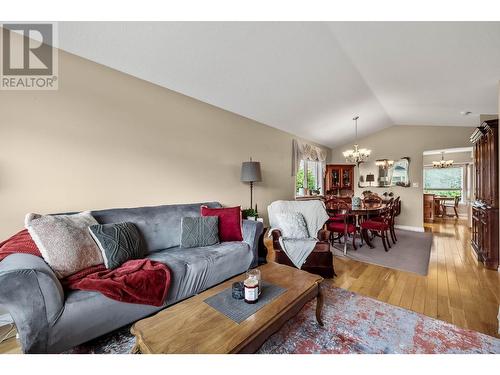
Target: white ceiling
x,y
307,78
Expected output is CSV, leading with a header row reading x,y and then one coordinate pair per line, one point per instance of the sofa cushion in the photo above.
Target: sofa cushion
x,y
160,226
199,231
205,266
64,241
118,243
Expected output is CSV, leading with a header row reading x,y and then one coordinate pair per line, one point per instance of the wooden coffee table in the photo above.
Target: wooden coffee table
x,y
192,326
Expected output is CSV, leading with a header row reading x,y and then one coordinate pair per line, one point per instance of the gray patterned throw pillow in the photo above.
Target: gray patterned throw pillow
x,y
199,231
118,243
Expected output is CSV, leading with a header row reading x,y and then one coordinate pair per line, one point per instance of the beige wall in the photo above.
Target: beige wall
x,y
398,141
106,139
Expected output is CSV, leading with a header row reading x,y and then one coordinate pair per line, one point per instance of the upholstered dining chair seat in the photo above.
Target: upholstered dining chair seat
x,y
374,225
340,227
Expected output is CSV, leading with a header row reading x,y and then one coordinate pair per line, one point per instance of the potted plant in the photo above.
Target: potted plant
x,y
250,213
316,191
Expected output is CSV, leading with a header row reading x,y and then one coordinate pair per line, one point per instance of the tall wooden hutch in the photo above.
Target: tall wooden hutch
x,y
339,179
485,206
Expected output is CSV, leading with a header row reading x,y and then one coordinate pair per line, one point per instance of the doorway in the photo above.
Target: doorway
x,y
448,185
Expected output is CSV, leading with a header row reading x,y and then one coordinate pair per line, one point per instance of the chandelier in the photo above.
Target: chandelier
x,y
357,155
442,163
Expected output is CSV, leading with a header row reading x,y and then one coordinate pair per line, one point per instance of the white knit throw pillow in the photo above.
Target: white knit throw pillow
x,y
64,241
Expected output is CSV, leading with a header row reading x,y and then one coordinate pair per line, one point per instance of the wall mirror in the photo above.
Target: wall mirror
x,y
385,173
400,173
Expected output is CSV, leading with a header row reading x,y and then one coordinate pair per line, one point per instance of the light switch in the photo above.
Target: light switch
x,y
415,184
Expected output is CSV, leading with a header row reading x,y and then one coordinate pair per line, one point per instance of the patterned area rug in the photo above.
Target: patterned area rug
x,y
353,324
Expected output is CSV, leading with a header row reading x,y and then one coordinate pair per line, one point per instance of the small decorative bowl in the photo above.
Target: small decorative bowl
x,y
238,290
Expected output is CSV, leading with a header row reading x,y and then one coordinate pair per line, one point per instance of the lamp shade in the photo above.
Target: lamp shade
x,y
250,171
361,179
370,177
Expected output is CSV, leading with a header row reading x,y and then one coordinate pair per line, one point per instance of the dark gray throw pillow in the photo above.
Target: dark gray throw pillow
x,y
199,231
118,243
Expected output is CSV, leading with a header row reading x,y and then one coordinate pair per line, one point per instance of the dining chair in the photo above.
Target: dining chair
x,y
453,205
372,198
392,205
397,206
342,228
331,205
334,206
366,193
380,227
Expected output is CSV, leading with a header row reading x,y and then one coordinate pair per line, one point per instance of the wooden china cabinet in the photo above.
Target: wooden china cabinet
x,y
485,207
339,180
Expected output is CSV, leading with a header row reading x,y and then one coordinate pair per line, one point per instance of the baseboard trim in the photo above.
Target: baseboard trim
x,y
410,228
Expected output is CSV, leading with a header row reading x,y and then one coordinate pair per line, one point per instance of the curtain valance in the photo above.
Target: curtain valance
x,y
305,151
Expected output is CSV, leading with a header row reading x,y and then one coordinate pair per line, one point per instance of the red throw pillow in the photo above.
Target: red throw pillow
x,y
229,222
20,242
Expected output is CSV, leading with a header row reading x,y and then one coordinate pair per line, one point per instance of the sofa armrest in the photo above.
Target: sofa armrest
x,y
34,297
252,231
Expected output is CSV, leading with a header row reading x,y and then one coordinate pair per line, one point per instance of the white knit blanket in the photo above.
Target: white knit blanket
x,y
315,216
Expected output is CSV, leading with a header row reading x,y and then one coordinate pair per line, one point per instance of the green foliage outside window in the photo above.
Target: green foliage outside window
x,y
445,182
444,193
299,181
443,178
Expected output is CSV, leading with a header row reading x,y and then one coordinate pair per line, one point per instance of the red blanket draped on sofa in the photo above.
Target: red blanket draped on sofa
x,y
135,281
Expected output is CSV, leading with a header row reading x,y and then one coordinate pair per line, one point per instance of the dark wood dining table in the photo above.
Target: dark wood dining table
x,y
368,209
365,210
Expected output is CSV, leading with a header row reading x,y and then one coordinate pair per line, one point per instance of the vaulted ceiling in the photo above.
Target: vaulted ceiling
x,y
310,78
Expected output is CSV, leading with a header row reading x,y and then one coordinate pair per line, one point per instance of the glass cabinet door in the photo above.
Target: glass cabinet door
x,y
346,178
335,175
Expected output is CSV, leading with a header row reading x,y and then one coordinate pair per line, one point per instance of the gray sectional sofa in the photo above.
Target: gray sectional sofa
x,y
51,321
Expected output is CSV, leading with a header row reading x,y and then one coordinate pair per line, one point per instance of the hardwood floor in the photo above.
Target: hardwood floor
x,y
457,289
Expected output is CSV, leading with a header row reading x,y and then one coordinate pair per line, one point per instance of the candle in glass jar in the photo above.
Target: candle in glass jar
x,y
251,289
256,273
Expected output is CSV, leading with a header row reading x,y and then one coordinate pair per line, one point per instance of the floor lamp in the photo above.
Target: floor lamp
x,y
250,172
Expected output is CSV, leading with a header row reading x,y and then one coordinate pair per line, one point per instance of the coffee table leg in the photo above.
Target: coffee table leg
x,y
319,306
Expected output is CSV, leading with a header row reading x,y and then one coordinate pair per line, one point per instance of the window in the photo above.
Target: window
x,y
309,176
448,182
